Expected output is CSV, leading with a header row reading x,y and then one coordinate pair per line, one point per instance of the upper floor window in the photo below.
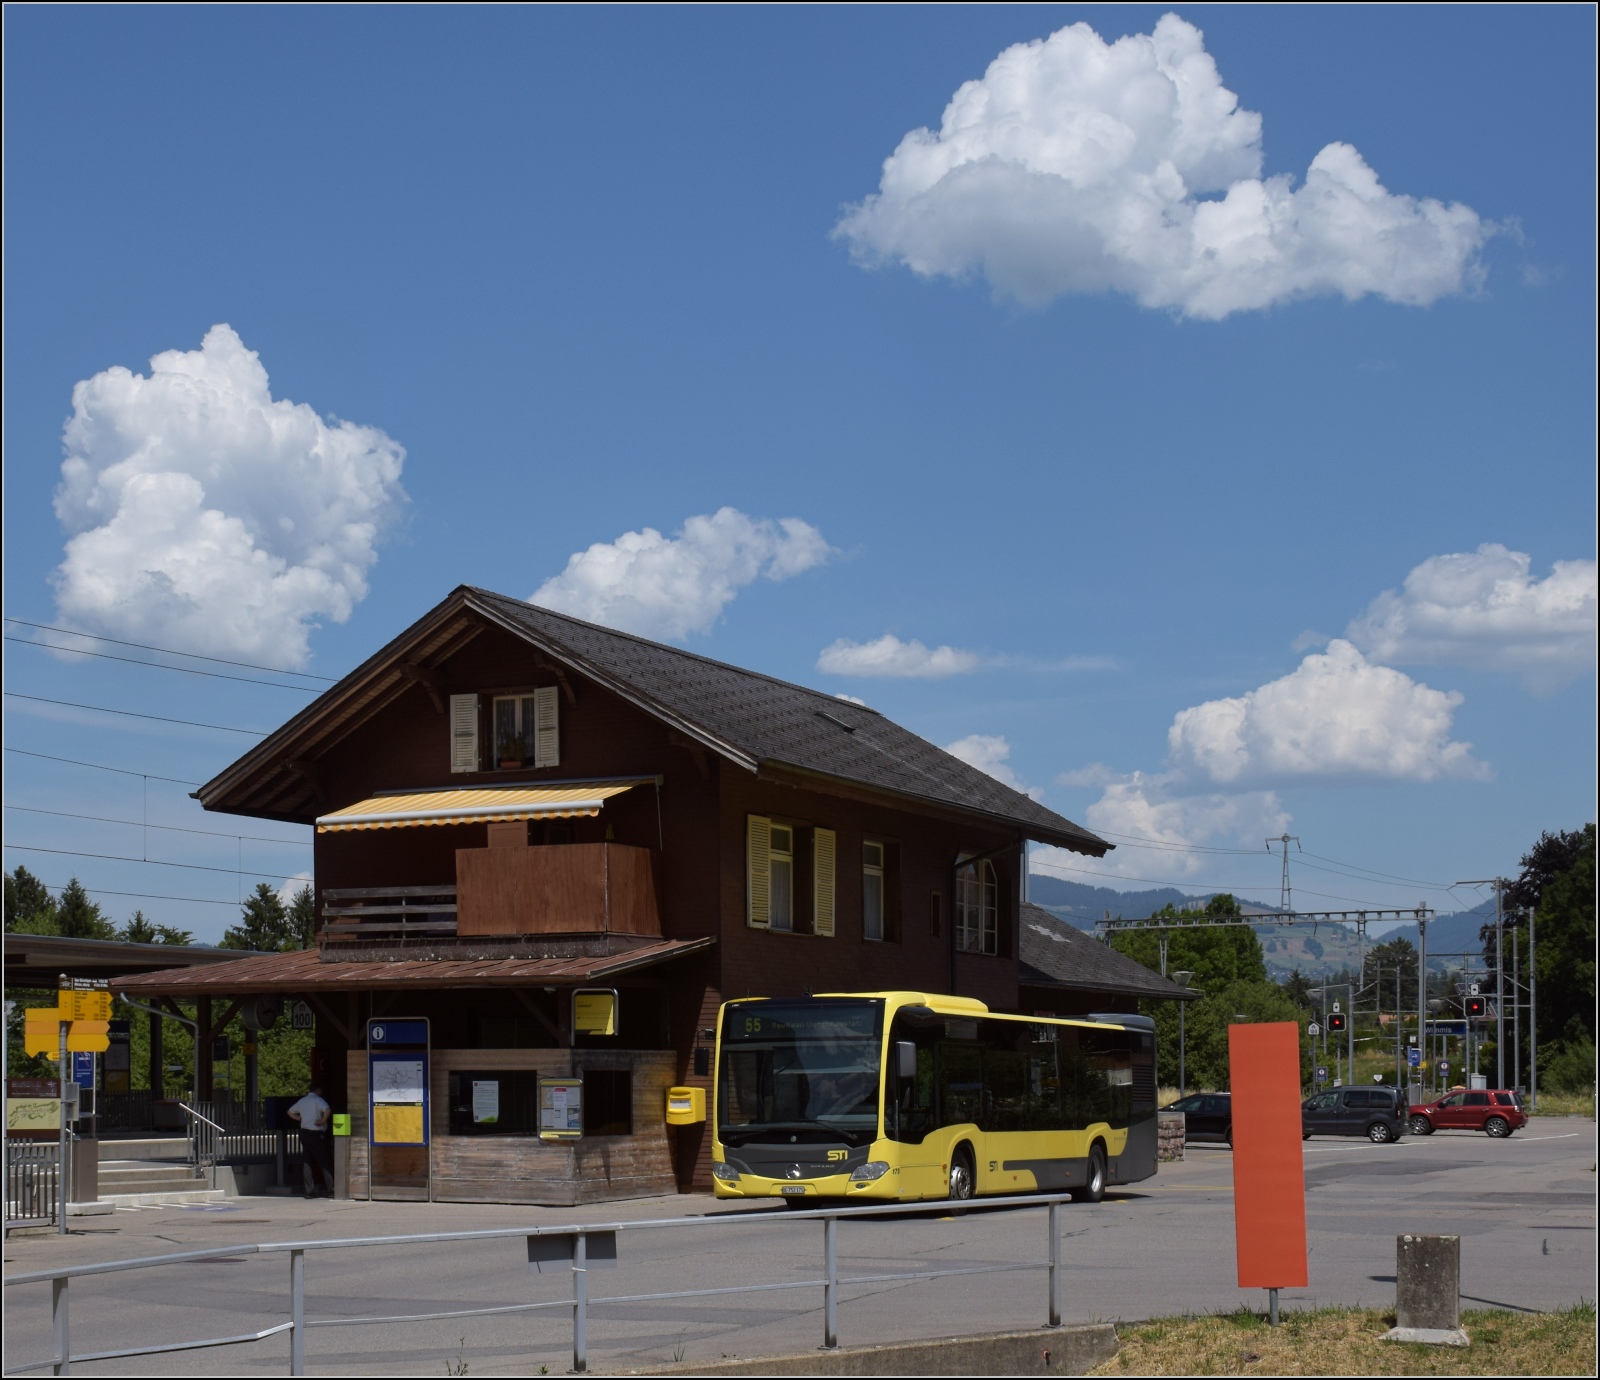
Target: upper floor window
x,y
782,865
527,729
872,890
977,908
789,874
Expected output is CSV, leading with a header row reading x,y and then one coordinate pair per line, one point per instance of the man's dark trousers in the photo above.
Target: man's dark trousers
x,y
316,1148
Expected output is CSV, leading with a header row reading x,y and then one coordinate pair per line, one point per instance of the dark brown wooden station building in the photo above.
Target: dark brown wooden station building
x,y
514,808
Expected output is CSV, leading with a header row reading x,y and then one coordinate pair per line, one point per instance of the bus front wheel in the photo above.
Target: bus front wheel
x,y
963,1177
1095,1188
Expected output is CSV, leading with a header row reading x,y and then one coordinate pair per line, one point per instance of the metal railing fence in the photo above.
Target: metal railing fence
x,y
32,1168
580,1234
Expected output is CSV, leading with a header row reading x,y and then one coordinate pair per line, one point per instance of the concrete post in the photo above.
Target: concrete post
x,y
1428,1291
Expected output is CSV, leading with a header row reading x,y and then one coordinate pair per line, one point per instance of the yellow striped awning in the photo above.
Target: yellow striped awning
x,y
471,807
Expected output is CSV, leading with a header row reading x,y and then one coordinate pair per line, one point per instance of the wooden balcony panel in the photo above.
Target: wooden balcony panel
x,y
574,888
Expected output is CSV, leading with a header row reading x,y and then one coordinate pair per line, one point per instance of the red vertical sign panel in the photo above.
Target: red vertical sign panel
x,y
1269,1180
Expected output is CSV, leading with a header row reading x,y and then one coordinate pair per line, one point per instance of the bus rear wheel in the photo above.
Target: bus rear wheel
x,y
1095,1188
963,1177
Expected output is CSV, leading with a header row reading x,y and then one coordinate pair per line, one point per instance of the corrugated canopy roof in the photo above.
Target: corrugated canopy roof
x,y
397,810
305,971
755,721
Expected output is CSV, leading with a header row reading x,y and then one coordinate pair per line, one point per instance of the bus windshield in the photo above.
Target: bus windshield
x,y
802,1071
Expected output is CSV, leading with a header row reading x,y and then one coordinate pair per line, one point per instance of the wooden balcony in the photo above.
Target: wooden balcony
x,y
573,888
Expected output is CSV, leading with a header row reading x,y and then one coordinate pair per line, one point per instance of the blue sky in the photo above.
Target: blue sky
x,y
522,282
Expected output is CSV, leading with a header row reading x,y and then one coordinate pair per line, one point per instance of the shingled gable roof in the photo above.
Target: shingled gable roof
x,y
755,721
1054,953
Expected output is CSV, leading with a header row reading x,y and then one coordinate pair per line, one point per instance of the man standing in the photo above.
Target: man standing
x,y
314,1117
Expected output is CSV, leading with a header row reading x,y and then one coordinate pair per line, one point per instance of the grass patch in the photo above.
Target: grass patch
x,y
1566,1104
1346,1341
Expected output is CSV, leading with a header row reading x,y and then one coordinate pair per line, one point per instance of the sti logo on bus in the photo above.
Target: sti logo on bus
x,y
838,1154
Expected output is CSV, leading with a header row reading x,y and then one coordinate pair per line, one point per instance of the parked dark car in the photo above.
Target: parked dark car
x,y
1495,1111
1379,1114
1206,1116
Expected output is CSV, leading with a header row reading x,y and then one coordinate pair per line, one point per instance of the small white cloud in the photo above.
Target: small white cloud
x,y
889,656
1336,716
207,515
671,587
990,753
291,885
1076,166
851,699
1142,809
1484,609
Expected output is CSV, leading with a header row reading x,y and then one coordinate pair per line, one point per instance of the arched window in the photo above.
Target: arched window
x,y
977,908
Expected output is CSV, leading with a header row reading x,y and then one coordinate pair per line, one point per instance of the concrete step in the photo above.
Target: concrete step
x,y
145,1148
139,1200
123,1176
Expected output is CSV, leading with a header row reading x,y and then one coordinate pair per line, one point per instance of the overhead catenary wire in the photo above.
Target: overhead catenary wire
x,y
101,766
168,828
162,666
1167,881
145,896
165,651
135,714
150,862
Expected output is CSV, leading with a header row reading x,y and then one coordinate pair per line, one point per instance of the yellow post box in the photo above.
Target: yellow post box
x,y
685,1106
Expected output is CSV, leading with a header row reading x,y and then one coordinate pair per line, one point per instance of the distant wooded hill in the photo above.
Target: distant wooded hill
x,y
1327,949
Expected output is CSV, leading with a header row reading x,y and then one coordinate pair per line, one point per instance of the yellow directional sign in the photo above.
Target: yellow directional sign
x,y
83,1006
42,1031
89,1037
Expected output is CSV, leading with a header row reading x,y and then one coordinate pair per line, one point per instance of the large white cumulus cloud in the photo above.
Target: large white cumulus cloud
x,y
674,586
1483,608
207,515
1074,165
1336,716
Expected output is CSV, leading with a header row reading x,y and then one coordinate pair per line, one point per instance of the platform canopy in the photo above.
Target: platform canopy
x,y
400,810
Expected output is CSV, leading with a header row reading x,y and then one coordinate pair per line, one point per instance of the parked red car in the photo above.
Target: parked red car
x,y
1496,1112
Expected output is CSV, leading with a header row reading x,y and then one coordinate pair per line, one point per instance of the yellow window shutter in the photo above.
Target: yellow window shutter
x,y
824,852
547,727
758,855
463,733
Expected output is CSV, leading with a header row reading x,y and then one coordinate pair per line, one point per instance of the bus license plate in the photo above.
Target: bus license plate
x,y
794,1189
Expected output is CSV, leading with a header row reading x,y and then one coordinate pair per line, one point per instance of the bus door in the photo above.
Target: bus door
x,y
910,1109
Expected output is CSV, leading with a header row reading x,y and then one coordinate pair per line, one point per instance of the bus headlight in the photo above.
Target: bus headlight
x,y
872,1169
725,1171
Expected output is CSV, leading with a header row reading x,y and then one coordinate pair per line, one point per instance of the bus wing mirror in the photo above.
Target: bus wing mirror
x,y
905,1058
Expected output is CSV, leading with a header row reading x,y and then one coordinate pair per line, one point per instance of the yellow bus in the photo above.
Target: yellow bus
x,y
907,1095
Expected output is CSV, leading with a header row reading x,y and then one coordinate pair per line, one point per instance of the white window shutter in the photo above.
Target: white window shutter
x,y
824,851
463,733
758,855
547,727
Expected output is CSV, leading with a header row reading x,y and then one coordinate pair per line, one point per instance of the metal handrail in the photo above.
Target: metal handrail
x,y
197,1156
830,1282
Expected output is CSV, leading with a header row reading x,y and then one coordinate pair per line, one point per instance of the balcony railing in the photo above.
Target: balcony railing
x,y
388,912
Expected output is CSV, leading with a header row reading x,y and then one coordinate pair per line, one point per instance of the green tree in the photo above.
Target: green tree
x,y
1383,960
77,917
138,930
303,919
263,925
29,906
171,934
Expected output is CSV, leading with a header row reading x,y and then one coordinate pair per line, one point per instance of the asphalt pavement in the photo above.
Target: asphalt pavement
x,y
1524,1207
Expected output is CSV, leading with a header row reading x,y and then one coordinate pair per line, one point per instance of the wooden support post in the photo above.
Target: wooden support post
x,y
204,1071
